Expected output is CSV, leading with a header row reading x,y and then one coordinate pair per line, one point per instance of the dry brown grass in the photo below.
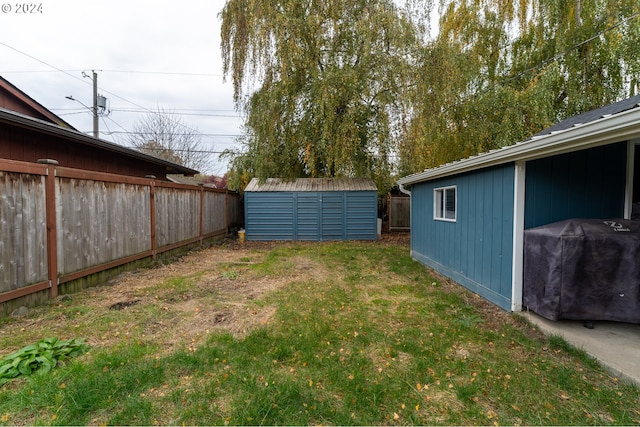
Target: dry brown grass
x,y
220,297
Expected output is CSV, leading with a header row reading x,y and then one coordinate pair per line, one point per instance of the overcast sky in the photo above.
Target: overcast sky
x,y
148,54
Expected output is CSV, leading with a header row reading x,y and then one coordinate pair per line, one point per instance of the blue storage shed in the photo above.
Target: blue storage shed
x,y
469,216
314,209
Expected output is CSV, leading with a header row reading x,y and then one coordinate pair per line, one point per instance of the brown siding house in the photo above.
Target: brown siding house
x,y
29,132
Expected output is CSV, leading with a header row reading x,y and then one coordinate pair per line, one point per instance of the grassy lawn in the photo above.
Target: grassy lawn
x,y
345,333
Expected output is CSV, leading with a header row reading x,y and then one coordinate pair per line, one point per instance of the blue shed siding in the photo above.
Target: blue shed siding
x,y
476,250
308,211
362,212
582,184
325,215
270,215
333,216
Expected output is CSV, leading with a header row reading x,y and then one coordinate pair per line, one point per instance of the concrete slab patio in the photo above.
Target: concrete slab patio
x,y
615,345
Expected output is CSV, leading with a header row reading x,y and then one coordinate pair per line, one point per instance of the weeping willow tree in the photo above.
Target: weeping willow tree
x,y
356,88
499,71
323,84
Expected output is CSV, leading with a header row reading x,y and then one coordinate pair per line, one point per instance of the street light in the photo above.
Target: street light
x,y
99,102
78,101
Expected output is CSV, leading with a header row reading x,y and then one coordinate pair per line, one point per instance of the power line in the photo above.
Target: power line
x,y
576,46
180,114
506,79
74,113
144,109
219,135
43,62
160,73
178,150
168,73
105,124
180,109
190,129
118,124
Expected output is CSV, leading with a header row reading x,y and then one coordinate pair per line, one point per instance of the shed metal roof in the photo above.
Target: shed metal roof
x,y
311,184
612,123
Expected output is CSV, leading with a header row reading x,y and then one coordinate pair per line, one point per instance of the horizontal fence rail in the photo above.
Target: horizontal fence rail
x,y
59,224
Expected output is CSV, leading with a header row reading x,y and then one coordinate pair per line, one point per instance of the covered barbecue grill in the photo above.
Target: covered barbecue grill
x,y
583,269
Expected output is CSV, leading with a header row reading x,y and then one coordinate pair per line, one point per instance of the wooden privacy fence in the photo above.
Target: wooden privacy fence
x,y
399,213
59,224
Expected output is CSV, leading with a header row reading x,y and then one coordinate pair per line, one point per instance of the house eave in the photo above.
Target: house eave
x,y
623,126
32,103
27,122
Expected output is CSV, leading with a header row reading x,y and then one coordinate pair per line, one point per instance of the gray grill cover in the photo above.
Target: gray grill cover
x,y
583,269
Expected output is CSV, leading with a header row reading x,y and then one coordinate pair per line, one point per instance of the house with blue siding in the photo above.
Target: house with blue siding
x,y
315,209
468,218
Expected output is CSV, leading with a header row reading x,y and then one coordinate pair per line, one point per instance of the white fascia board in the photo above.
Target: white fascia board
x,y
607,130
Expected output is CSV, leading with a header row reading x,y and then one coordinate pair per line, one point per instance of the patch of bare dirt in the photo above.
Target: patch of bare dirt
x,y
178,304
217,290
172,305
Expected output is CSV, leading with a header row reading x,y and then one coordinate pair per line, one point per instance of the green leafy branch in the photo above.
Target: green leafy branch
x,y
39,358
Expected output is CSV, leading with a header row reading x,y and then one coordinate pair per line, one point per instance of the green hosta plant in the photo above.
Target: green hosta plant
x,y
40,357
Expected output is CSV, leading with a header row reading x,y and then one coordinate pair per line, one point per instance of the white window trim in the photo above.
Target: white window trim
x,y
438,194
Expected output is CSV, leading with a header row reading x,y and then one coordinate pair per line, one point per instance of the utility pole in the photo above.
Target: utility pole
x,y
99,102
96,133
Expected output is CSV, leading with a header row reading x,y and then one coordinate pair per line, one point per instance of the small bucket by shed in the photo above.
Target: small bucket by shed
x,y
315,209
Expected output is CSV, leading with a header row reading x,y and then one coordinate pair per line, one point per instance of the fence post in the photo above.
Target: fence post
x,y
52,226
388,197
152,220
226,210
201,212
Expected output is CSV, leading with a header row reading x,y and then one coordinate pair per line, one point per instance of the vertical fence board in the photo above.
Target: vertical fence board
x,y
23,257
399,213
214,212
101,222
177,215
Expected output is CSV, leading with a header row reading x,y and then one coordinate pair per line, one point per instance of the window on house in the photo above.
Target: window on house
x,y
444,203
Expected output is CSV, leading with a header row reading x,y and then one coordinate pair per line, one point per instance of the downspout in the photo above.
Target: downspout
x,y
404,190
408,193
